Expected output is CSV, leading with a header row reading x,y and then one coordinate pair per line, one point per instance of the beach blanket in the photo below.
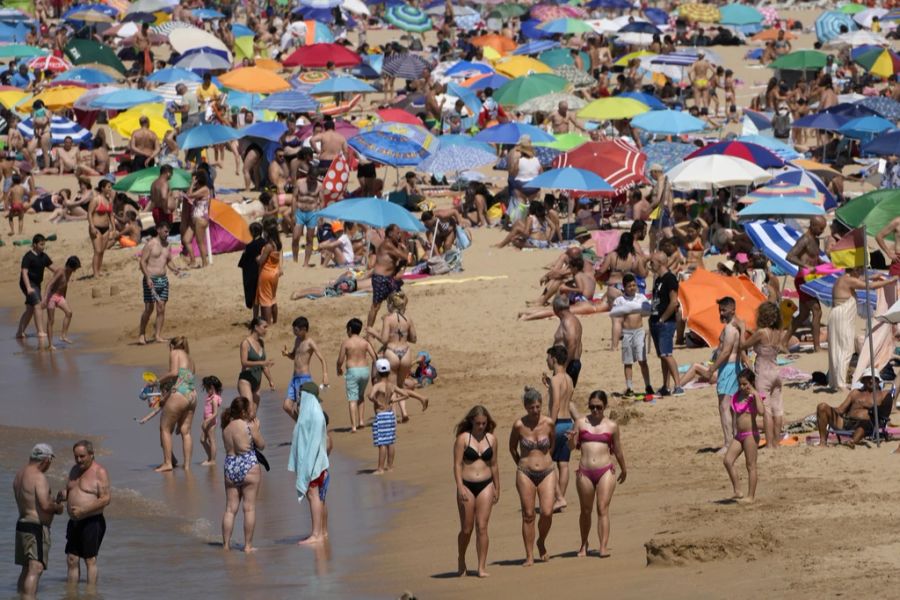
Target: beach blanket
x,y
308,457
463,280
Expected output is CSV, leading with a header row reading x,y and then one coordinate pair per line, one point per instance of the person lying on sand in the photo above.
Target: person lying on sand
x,y
346,283
579,286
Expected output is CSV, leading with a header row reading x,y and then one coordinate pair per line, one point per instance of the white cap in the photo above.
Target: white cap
x,y
42,452
383,365
870,373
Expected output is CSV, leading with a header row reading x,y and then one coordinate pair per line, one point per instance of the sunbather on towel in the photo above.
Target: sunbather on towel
x,y
852,414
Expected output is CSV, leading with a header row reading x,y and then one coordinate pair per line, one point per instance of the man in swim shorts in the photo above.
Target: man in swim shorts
x,y
727,365
806,255
155,260
307,201
356,355
390,258
563,412
36,511
87,494
568,335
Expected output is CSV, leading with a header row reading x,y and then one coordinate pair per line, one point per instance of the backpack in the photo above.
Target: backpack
x,y
781,126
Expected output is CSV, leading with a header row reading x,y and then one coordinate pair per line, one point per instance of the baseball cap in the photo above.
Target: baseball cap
x,y
871,373
42,452
382,365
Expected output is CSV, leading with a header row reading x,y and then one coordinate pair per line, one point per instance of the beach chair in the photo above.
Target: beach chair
x,y
884,419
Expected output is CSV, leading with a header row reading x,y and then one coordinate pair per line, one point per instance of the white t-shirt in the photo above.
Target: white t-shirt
x,y
529,168
345,250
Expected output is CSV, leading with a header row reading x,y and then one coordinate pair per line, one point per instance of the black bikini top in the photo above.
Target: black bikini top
x,y
471,454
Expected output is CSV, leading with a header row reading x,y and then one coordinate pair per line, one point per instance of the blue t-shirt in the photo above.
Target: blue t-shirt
x,y
21,81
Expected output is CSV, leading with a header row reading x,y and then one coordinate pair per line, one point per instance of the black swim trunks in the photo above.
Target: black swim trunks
x,y
83,537
573,369
383,286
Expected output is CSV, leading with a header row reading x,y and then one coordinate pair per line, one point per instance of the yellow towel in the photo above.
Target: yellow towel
x,y
463,280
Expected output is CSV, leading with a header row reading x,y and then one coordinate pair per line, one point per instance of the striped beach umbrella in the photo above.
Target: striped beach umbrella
x,y
404,66
320,3
782,190
880,62
49,63
289,101
408,18
829,23
60,129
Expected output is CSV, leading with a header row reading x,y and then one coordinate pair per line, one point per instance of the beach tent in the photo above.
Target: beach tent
x,y
228,232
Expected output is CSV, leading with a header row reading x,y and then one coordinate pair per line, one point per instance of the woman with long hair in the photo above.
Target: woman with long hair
x,y
530,441
477,476
269,261
179,404
624,259
254,363
241,438
598,438
767,342
397,333
198,197
100,223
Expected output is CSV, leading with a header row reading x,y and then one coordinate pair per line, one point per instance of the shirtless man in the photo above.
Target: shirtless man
x,y
562,410
805,254
144,146
433,108
307,201
161,199
578,284
87,494
155,259
85,161
891,252
390,258
562,119
355,356
727,366
568,335
142,46
331,143
440,228
280,179
701,72
36,511
559,271
853,413
66,157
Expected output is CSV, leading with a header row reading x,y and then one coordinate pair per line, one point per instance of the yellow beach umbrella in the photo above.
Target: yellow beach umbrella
x,y
12,97
56,98
127,122
700,13
255,80
623,62
519,66
612,109
268,63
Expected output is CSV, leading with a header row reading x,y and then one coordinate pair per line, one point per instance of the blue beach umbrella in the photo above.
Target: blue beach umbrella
x,y
785,208
86,75
404,66
60,129
408,18
865,128
373,212
666,154
388,148
798,176
326,4
571,178
454,158
268,130
240,30
882,105
335,85
207,14
452,139
173,75
531,30
535,47
122,99
289,101
203,136
887,144
465,68
650,100
203,59
641,27
494,81
610,4
509,133
782,150
829,23
657,16
739,14
668,122
468,96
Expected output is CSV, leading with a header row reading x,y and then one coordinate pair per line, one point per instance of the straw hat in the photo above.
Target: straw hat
x,y
656,168
524,146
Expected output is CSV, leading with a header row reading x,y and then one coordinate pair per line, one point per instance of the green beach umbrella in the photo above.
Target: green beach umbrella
x,y
562,56
88,51
852,8
874,210
508,10
550,102
522,89
801,60
139,182
565,142
21,51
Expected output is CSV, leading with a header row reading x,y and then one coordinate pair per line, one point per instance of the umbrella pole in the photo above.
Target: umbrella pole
x,y
209,253
869,336
433,238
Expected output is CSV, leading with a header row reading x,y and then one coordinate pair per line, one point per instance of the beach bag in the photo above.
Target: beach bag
x,y
462,238
781,126
438,266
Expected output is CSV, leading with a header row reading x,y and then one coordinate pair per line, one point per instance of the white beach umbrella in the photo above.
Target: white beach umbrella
x,y
715,171
357,7
186,39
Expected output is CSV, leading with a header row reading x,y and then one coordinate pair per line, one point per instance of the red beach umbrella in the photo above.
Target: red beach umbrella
x,y
398,115
319,55
49,62
616,161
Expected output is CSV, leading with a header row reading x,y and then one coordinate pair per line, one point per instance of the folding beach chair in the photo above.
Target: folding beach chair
x,y
884,418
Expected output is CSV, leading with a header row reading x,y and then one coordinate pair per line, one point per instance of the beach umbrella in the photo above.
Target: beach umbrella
x,y
404,66
206,14
464,69
319,55
750,152
829,23
139,182
782,150
611,5
883,106
305,81
565,141
484,81
186,39
287,102
455,158
559,57
86,75
500,43
10,98
60,129
571,178
204,136
612,108
203,60
341,84
388,148
874,209
20,51
715,171
82,52
781,208
698,295
616,161
852,8
91,13
801,60
254,80
510,133
452,139
864,128
666,154
785,191
657,16
535,47
124,98
640,27
770,35
398,115
151,6
880,62
49,63
173,75
55,98
518,66
864,18
127,122
833,118
550,102
740,14
886,144
507,10
268,130
576,77
326,4
801,177
699,13
13,15
668,122
550,12
566,26
373,212
633,38
522,89
858,38
408,18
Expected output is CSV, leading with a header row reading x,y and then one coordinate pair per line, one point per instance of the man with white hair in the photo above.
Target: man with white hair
x,y
562,119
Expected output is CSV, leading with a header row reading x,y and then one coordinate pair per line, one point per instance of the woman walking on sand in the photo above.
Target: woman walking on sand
x,y
269,261
100,223
254,364
241,438
598,438
530,442
477,477
179,405
198,197
766,341
397,333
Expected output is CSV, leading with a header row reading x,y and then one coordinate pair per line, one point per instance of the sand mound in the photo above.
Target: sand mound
x,y
677,551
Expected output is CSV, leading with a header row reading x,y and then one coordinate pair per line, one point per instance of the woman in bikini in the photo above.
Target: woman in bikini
x,y
477,476
623,259
530,442
254,364
241,438
745,405
598,438
178,405
397,333
198,197
692,235
100,223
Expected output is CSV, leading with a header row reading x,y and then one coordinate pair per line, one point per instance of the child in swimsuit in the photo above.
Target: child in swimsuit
x,y
383,394
213,387
745,405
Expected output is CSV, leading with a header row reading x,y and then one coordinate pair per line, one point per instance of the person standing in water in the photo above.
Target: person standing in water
x,y
241,438
56,298
178,405
87,494
32,275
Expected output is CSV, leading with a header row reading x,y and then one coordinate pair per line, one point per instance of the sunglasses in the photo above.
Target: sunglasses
x,y
595,407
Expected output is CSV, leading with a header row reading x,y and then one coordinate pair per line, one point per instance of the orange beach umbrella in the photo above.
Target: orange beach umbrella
x,y
255,80
698,296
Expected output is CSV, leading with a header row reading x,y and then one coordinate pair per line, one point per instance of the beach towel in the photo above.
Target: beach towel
x,y
308,456
841,342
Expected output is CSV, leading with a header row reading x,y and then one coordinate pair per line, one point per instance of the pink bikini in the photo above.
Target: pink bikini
x,y
595,474
747,407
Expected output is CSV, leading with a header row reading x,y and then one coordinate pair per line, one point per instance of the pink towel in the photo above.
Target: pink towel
x,y
605,241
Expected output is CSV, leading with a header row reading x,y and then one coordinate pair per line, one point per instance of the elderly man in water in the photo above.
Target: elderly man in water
x,y
87,494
